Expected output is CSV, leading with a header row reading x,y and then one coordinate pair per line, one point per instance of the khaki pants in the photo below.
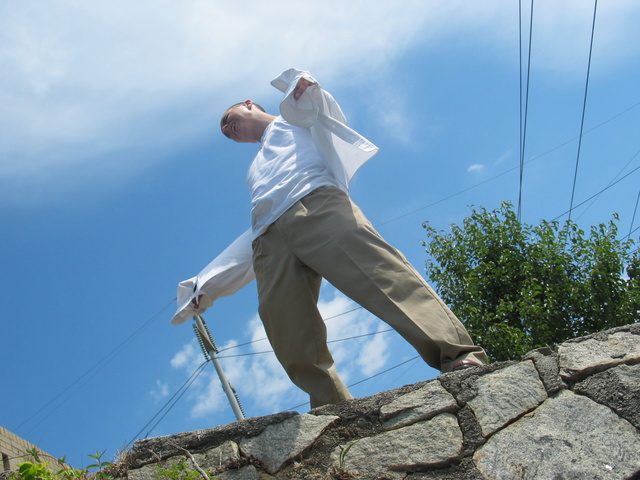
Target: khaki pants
x,y
326,235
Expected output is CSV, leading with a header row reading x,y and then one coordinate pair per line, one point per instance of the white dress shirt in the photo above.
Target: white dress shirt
x,y
287,168
344,151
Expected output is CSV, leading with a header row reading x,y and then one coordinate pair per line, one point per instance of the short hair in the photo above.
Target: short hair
x,y
225,116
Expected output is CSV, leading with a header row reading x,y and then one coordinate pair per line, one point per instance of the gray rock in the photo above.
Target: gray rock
x,y
568,436
618,388
462,384
505,395
596,353
425,444
147,472
283,441
422,404
248,472
219,457
365,405
471,432
151,472
546,362
151,450
211,460
465,470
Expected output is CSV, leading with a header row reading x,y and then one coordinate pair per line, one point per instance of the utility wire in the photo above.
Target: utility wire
x,y
384,371
537,157
611,183
179,393
520,128
584,107
634,215
629,235
523,119
598,193
265,338
337,340
399,217
95,369
194,377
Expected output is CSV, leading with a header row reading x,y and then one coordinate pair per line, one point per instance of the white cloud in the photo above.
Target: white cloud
x,y
92,90
479,168
373,355
355,323
475,168
161,391
502,158
188,357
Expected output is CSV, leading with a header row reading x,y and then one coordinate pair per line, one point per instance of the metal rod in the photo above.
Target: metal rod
x,y
212,350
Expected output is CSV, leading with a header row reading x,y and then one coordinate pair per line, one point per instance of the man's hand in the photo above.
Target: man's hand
x,y
301,87
196,302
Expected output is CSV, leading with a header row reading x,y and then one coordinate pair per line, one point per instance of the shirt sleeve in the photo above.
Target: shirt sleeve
x,y
315,102
344,149
224,276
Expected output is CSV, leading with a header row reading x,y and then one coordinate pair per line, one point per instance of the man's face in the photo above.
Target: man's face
x,y
238,123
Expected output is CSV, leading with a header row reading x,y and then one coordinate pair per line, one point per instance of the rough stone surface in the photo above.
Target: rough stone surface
x,y
292,437
220,457
546,362
150,471
212,460
618,388
248,472
151,450
568,412
505,395
598,352
568,436
421,404
425,444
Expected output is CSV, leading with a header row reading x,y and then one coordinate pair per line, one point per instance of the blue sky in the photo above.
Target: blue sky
x,y
115,183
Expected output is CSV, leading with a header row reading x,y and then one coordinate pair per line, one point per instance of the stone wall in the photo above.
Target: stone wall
x,y
571,412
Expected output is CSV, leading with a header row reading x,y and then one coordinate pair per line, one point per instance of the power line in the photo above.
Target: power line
x,y
537,157
584,107
94,370
523,121
337,340
265,338
598,193
629,235
611,183
634,215
179,393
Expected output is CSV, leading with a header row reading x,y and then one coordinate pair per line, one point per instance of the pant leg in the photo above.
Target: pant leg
x,y
329,233
288,294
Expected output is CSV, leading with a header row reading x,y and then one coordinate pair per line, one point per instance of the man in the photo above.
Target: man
x,y
305,228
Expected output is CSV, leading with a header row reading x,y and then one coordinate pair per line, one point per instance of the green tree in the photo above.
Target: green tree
x,y
519,287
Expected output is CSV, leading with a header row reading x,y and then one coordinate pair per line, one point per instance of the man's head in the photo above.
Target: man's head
x,y
245,122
